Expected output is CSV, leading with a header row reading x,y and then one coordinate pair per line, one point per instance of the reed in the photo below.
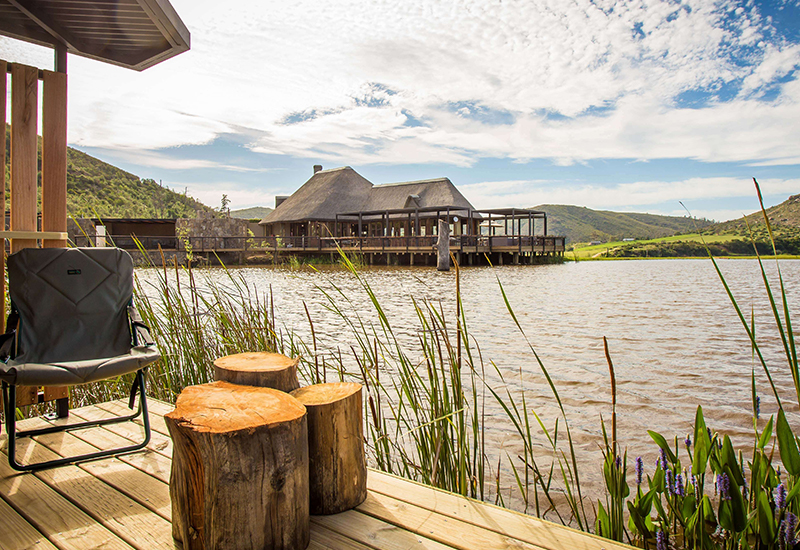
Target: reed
x,y
425,412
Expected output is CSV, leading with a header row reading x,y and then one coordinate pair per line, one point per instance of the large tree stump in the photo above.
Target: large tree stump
x,y
260,368
337,466
239,475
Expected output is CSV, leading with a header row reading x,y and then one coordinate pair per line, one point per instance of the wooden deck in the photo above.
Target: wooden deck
x,y
124,503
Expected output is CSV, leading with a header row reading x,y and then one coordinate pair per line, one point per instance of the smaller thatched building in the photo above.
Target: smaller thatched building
x,y
341,202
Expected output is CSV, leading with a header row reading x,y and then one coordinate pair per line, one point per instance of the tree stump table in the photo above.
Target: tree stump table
x,y
239,476
260,368
337,466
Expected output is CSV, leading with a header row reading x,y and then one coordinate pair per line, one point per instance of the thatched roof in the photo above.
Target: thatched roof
x,y
343,190
416,194
326,194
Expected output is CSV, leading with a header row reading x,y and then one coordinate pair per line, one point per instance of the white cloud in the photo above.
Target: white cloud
x,y
657,197
251,65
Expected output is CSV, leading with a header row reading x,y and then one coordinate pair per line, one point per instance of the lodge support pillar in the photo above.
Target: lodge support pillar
x,y
54,156
24,111
3,69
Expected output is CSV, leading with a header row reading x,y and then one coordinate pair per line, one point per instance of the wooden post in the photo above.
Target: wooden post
x,y
3,91
443,246
337,466
239,476
261,368
24,169
54,156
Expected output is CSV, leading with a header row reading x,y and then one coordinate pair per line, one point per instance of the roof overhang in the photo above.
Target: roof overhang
x,y
135,34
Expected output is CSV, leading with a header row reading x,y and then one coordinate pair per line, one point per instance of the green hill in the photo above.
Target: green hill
x,y
580,224
254,213
784,219
96,188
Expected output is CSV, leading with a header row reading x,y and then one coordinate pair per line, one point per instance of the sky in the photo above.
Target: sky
x,y
630,106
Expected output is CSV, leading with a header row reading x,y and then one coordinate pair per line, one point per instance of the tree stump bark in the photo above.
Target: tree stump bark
x,y
337,466
264,369
239,476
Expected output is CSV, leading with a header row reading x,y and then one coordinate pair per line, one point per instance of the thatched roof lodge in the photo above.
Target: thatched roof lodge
x,y
341,202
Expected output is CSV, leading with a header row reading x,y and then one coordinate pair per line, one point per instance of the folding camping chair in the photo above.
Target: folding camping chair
x,y
72,321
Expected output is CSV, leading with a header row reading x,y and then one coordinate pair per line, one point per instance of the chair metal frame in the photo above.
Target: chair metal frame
x,y
9,408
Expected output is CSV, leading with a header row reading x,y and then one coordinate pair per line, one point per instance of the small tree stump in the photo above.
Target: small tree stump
x,y
337,466
239,476
260,368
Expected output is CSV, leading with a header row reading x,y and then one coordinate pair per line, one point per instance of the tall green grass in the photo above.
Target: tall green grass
x,y
426,404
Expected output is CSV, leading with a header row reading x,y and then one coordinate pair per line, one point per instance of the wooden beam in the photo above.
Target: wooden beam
x,y
24,111
38,14
54,156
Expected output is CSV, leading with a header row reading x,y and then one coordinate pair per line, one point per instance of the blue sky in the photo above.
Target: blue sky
x,y
630,106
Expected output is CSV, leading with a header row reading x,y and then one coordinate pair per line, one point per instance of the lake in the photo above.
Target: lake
x,y
673,335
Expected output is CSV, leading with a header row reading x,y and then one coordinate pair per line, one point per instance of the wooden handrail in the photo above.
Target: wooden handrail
x,y
48,235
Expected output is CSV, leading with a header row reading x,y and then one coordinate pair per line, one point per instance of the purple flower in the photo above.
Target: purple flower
x,y
791,526
669,482
724,486
662,460
781,498
709,433
662,541
758,406
688,442
618,462
778,473
639,470
679,490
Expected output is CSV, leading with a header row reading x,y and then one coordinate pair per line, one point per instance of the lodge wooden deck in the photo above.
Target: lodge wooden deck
x,y
124,503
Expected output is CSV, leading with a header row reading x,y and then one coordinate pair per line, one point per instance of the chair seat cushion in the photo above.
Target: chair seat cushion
x,y
77,372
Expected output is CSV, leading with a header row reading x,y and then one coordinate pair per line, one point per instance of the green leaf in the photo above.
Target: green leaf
x,y
638,520
788,446
688,506
702,444
793,494
603,523
738,511
766,435
661,442
730,463
766,520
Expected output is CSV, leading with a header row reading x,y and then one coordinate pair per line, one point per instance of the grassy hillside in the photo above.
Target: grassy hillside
x,y
731,238
581,224
784,219
96,188
254,213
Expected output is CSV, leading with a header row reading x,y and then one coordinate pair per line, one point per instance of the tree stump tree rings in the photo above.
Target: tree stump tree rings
x,y
260,368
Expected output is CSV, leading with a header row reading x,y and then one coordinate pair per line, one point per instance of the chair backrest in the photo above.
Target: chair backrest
x,y
72,303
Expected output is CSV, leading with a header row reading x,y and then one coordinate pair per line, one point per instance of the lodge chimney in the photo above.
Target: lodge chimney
x,y
317,168
279,200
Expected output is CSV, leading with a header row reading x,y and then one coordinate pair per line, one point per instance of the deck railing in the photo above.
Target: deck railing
x,y
416,244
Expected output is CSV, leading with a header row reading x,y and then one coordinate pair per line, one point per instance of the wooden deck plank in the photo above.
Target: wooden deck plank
x,y
121,515
486,516
449,531
375,533
18,534
398,514
152,461
145,489
322,538
63,523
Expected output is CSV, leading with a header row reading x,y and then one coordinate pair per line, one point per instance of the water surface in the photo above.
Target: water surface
x,y
673,335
